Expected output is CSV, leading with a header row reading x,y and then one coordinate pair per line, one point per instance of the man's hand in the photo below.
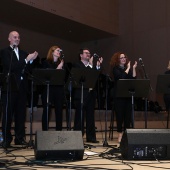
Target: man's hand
x,y
32,56
91,61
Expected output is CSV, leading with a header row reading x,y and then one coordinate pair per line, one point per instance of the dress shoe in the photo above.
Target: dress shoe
x,y
20,142
93,141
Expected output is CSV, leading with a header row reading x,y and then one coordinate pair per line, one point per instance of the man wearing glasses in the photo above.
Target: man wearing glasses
x,y
89,98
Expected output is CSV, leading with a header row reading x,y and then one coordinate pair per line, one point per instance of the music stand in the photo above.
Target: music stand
x,y
163,86
133,88
84,79
49,77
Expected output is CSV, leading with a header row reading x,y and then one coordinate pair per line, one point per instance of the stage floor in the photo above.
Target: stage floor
x,y
96,157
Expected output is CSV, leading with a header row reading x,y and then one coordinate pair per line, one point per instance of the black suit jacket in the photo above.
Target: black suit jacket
x,y
80,64
77,92
18,67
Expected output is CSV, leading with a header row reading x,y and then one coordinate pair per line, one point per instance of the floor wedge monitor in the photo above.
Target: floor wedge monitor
x,y
145,144
59,145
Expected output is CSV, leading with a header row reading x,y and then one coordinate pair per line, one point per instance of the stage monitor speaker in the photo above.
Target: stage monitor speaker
x,y
145,144
59,145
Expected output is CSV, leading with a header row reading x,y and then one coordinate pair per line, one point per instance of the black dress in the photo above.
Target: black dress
x,y
123,106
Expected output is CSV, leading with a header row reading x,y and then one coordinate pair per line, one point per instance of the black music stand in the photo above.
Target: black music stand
x,y
49,77
163,86
84,78
133,88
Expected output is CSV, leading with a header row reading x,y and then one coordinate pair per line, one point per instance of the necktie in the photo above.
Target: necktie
x,y
16,52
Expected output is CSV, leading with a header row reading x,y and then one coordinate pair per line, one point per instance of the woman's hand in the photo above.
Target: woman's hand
x,y
135,65
99,61
60,66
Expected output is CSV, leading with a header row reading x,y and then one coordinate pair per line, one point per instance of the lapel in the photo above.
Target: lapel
x,y
14,56
82,64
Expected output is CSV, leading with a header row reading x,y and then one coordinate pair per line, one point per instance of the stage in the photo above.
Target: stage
x,y
96,157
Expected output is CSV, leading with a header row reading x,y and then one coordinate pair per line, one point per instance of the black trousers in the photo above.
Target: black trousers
x,y
56,97
123,110
14,107
88,113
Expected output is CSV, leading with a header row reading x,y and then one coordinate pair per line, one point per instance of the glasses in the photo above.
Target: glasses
x,y
87,53
121,58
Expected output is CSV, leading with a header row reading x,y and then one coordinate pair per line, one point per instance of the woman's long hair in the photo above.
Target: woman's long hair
x,y
50,53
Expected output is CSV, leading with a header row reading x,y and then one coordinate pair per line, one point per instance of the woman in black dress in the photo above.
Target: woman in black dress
x,y
121,69
56,92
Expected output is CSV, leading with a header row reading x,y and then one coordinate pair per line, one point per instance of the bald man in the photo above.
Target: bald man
x,y
15,62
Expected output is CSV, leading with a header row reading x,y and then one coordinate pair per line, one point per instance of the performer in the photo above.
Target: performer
x,y
121,69
14,63
56,93
89,98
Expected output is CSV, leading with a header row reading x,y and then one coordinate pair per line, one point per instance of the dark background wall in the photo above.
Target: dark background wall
x,y
144,32
137,27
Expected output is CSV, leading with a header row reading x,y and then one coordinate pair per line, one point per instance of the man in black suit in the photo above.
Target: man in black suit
x,y
15,62
89,98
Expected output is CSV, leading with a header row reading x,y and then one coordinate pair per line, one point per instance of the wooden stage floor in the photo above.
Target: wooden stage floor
x,y
96,157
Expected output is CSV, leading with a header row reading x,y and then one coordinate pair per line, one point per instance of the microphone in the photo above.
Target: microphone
x,y
62,54
141,61
96,56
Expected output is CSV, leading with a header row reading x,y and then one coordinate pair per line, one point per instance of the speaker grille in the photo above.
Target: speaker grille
x,y
60,145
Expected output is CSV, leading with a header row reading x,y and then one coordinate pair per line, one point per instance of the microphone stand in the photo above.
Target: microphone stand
x,y
105,143
146,104
7,94
70,95
70,91
70,101
31,142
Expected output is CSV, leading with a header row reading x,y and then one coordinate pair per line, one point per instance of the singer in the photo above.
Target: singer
x,y
14,95
56,93
89,97
121,69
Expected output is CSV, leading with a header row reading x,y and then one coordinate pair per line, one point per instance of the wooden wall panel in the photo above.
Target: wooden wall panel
x,y
100,14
